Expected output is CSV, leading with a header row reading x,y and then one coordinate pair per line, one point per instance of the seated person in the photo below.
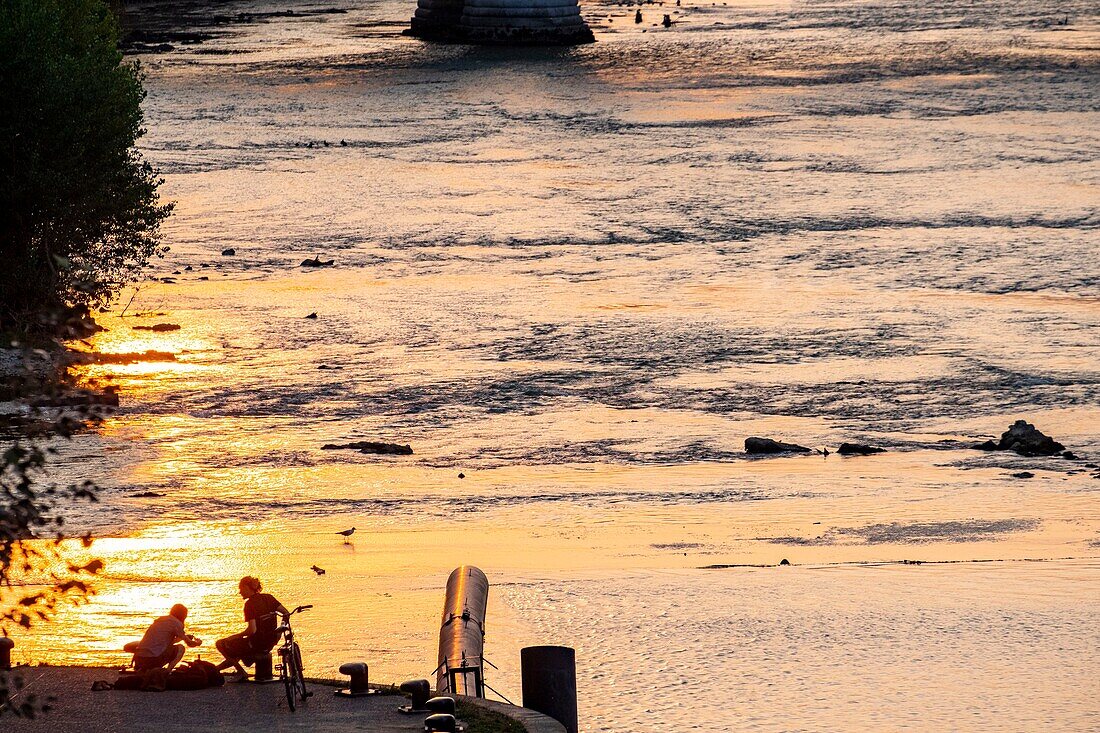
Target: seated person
x,y
159,646
261,634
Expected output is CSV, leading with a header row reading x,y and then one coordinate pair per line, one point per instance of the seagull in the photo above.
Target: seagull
x,y
347,533
319,571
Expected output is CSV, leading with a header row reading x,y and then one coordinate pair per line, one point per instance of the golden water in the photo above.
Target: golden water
x,y
581,278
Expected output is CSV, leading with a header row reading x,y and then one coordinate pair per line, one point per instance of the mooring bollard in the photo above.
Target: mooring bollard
x,y
263,669
549,675
418,692
443,722
357,671
6,645
441,705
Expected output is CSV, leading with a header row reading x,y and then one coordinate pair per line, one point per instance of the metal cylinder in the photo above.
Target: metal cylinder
x,y
263,668
462,633
550,682
418,691
6,645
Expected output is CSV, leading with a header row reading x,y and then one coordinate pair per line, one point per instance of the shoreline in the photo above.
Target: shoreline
x,y
200,709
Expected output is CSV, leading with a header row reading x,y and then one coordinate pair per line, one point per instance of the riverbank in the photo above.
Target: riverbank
x,y
239,707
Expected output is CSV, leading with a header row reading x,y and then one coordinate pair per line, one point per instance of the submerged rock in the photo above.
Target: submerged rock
x,y
229,252
147,495
1023,474
370,446
317,262
159,327
858,449
756,445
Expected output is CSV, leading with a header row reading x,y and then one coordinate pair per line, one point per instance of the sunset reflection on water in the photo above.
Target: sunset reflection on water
x,y
580,279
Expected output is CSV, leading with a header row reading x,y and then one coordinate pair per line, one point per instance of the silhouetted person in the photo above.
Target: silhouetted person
x,y
159,647
260,635
667,21
638,16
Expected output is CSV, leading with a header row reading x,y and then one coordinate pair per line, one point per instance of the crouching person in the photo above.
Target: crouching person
x,y
160,646
261,612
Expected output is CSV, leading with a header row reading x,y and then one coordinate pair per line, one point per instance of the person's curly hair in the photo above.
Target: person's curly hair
x,y
252,583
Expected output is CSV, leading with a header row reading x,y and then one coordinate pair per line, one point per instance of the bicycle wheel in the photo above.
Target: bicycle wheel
x,y
299,673
290,675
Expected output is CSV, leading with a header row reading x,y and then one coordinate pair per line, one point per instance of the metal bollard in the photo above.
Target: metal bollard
x,y
6,645
357,671
418,692
263,669
440,722
549,676
441,705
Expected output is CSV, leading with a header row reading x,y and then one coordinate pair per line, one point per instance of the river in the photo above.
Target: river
x,y
574,281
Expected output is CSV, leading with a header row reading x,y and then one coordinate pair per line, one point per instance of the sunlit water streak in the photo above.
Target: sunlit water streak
x,y
582,277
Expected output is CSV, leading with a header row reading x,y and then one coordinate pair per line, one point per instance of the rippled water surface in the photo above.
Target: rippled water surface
x,y
581,277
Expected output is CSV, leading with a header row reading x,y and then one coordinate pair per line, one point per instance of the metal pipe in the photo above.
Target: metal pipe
x,y
462,633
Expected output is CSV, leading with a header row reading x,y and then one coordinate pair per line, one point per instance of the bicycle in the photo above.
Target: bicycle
x,y
290,668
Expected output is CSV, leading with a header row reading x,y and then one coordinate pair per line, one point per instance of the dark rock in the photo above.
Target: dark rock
x,y
147,495
767,446
858,449
987,445
637,16
784,561
132,358
1023,438
462,475
311,315
188,268
667,21
159,327
370,446
317,262
204,277
1023,474
1070,455
78,398
229,252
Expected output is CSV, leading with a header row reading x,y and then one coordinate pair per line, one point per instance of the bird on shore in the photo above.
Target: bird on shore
x,y
319,571
347,533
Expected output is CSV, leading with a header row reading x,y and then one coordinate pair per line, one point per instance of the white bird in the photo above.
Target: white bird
x,y
347,533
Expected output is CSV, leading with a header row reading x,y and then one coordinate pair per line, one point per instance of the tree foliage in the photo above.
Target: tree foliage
x,y
35,572
79,211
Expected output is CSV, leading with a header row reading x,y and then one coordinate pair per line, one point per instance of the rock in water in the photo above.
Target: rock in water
x,y
1023,438
159,327
370,446
767,445
501,22
317,262
229,252
858,449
